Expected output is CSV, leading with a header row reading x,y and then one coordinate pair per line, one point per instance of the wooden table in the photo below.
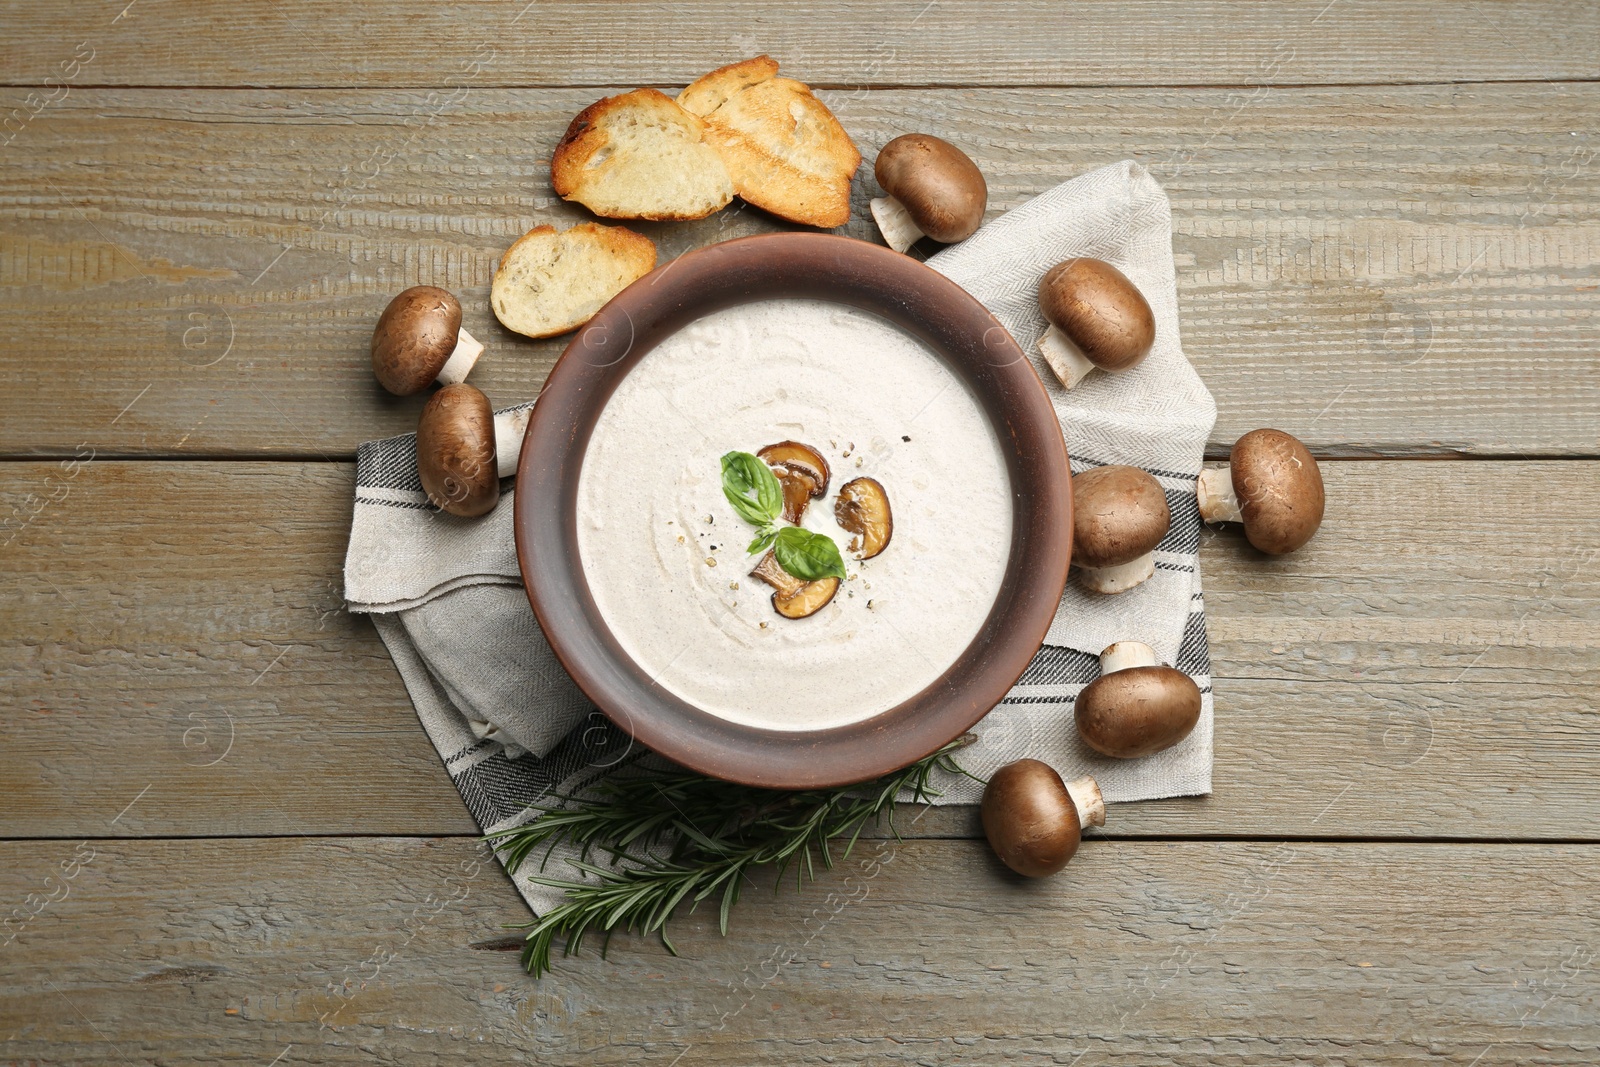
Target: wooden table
x,y
226,837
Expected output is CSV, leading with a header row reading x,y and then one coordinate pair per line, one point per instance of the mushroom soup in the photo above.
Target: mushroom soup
x,y
665,553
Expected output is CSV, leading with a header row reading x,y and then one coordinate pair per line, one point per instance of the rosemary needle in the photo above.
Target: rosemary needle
x,y
672,836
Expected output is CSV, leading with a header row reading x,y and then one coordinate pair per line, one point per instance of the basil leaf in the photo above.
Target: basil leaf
x,y
751,488
763,541
806,555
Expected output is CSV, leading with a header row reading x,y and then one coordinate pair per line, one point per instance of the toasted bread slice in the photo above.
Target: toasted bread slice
x,y
548,282
786,152
711,91
640,156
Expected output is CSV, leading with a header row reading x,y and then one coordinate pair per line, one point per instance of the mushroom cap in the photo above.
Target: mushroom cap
x,y
862,508
1136,711
414,337
1030,819
455,451
1100,310
801,471
1118,514
794,598
1279,487
809,599
939,185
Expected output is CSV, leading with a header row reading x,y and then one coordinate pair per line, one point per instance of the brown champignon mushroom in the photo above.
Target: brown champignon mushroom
x,y
934,188
419,340
1033,820
1119,516
1272,484
464,449
1098,318
863,509
801,471
1137,706
794,598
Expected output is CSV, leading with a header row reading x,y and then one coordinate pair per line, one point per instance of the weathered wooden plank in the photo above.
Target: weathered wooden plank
x,y
1394,271
363,950
1432,656
964,42
199,609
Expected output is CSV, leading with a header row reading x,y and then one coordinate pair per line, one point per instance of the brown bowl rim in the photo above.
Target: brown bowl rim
x,y
843,270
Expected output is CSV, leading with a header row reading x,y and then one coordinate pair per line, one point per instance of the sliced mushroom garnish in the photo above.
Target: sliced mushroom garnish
x,y
794,598
801,471
863,509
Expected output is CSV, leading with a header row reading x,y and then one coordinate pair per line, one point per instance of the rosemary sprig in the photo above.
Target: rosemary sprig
x,y
673,836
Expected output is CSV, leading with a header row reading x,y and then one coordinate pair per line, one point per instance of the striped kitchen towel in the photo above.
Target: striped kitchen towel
x,y
446,596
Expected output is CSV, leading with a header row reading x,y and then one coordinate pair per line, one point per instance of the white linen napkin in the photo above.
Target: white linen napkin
x,y
445,593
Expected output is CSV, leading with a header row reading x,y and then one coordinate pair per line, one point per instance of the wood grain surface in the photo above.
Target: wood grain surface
x,y
877,42
225,838
1389,271
1433,652
1245,954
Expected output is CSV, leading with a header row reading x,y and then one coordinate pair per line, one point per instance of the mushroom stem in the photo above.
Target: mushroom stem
x,y
509,429
462,358
1126,654
894,222
771,572
1064,357
1117,579
1215,497
1086,797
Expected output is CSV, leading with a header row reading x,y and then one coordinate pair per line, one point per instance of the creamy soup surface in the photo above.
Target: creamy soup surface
x,y
664,551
